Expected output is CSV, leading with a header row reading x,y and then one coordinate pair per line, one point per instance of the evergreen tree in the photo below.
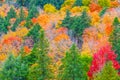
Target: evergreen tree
x,y
21,14
34,32
3,25
67,20
28,23
72,68
14,69
116,21
33,12
11,13
115,41
80,23
103,11
108,73
18,19
41,70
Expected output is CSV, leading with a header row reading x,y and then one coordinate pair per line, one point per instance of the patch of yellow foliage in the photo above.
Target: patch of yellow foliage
x,y
49,8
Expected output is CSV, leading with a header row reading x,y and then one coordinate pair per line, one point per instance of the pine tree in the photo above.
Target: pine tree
x,y
116,21
80,23
34,32
11,13
41,70
115,40
14,69
21,14
18,19
33,12
28,23
103,11
3,25
72,68
107,73
67,20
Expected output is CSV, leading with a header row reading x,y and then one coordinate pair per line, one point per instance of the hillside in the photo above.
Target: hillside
x,y
59,40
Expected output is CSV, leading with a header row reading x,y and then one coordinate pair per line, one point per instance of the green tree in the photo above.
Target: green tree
x,y
80,23
72,68
11,13
3,25
116,21
15,25
76,26
33,12
42,70
108,73
102,12
21,14
104,3
14,69
34,32
28,23
20,18
67,20
115,40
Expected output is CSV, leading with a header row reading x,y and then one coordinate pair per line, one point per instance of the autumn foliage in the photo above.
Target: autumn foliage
x,y
100,58
37,35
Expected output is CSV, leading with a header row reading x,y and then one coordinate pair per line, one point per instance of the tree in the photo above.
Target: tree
x,y
33,12
116,21
107,73
67,20
3,25
11,13
34,32
28,23
72,68
18,19
100,58
103,11
21,14
80,23
115,40
41,70
14,69
76,26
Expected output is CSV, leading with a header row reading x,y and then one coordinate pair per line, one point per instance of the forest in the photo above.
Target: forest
x,y
59,39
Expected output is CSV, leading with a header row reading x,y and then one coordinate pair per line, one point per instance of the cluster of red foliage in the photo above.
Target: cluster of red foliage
x,y
108,29
104,55
94,7
11,39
